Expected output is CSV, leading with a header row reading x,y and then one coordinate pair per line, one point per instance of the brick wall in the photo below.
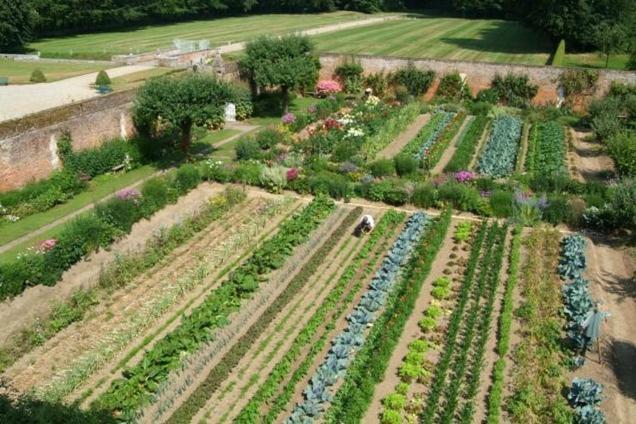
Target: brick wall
x,y
478,74
30,153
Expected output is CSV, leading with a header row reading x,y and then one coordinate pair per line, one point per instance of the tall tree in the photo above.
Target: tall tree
x,y
195,99
17,19
286,63
611,39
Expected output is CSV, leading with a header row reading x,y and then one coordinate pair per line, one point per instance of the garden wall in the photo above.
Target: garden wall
x,y
28,146
478,74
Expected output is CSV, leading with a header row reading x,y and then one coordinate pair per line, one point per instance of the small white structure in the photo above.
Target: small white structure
x,y
230,112
368,221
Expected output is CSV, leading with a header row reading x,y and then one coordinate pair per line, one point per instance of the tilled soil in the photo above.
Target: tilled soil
x,y
590,161
403,139
452,148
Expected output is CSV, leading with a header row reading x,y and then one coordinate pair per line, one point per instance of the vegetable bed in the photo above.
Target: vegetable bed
x,y
499,155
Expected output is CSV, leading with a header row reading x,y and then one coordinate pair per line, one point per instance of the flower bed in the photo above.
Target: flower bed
x,y
499,156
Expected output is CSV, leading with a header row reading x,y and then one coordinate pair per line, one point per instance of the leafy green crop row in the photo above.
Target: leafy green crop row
x,y
467,145
352,400
135,389
500,154
437,150
333,306
454,326
505,321
220,372
546,149
391,129
419,146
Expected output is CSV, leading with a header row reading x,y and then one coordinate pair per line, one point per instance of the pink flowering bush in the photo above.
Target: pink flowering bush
x,y
328,87
464,176
288,118
47,245
292,174
129,194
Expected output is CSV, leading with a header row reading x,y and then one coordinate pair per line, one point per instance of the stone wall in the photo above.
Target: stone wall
x,y
478,74
28,147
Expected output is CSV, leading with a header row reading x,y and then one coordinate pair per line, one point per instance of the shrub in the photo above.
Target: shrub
x,y
402,94
558,210
243,102
487,95
452,87
102,79
460,196
378,83
501,203
247,148
514,90
382,168
578,82
119,214
424,196
559,54
479,108
94,162
268,138
155,194
416,81
405,164
37,76
186,178
248,173
274,178
327,87
622,148
350,74
335,185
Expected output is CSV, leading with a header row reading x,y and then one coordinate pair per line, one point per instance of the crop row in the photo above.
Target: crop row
x,y
419,146
130,266
332,307
354,396
437,150
128,394
467,145
454,324
391,129
500,154
221,371
345,346
495,397
546,149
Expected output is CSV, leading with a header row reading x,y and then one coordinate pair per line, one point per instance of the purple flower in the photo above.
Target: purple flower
x,y
47,245
288,118
464,176
543,203
131,194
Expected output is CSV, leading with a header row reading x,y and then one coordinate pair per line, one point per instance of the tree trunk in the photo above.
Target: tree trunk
x,y
607,61
285,92
186,137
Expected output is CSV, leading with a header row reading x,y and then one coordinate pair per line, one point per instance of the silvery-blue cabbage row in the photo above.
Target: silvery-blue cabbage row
x,y
441,125
500,153
345,346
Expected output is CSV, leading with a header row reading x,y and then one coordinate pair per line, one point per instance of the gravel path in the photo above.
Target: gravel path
x,y
17,101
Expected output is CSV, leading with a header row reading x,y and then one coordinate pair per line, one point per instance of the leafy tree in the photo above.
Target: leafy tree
x,y
416,81
611,39
195,99
102,79
16,24
287,63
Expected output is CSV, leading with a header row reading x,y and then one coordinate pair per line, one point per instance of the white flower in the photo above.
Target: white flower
x,y
354,132
3,210
12,218
373,100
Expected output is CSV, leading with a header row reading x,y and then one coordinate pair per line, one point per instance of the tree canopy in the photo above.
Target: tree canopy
x,y
16,25
194,99
287,63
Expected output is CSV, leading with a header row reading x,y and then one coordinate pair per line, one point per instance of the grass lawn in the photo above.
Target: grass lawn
x,y
298,104
136,79
596,60
217,31
20,72
424,36
99,188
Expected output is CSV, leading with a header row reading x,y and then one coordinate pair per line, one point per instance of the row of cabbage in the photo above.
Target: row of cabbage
x,y
345,346
580,309
420,146
500,154
546,149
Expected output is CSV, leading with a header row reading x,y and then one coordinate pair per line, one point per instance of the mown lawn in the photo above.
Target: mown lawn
x,y
136,79
217,31
487,40
20,72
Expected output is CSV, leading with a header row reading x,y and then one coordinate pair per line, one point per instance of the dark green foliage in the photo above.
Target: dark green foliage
x,y
335,185
577,83
488,95
268,138
501,203
243,103
467,145
416,81
461,196
405,164
287,63
94,162
479,108
37,76
102,79
378,83
615,113
452,87
247,148
350,73
622,149
194,99
17,19
424,196
514,90
186,178
119,214
559,54
382,168
155,195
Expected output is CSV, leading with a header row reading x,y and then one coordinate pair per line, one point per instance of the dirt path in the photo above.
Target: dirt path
x,y
403,139
257,364
589,159
523,148
36,302
197,366
612,275
132,309
450,151
411,330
